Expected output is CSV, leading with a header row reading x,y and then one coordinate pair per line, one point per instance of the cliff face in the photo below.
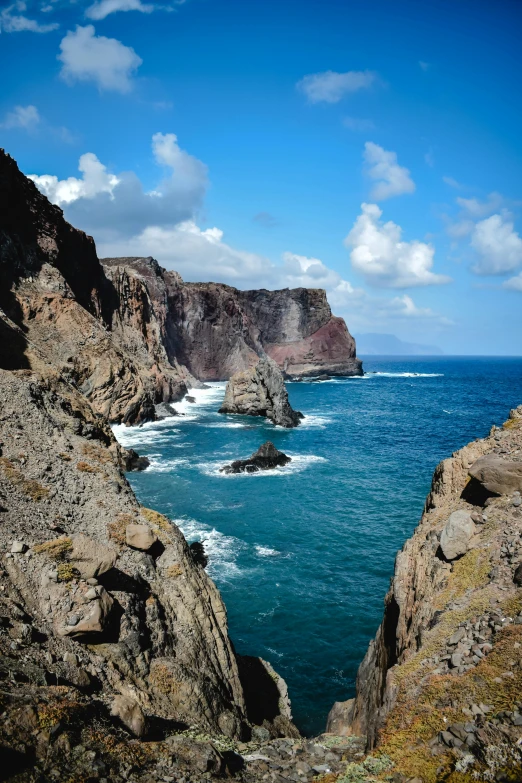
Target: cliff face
x,y
130,335
55,290
439,690
106,619
215,330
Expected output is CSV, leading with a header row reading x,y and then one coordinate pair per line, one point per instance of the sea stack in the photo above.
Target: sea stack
x,y
261,391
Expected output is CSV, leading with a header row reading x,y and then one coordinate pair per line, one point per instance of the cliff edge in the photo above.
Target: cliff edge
x,y
439,692
215,330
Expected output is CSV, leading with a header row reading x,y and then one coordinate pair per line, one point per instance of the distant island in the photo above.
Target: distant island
x,y
375,344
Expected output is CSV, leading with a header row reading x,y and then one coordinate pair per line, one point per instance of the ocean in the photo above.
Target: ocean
x,y
303,555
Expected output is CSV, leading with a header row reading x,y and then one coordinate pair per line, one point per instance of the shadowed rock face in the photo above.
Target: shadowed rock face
x,y
261,391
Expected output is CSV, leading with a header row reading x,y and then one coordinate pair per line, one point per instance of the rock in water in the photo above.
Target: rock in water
x,y
132,460
265,458
260,391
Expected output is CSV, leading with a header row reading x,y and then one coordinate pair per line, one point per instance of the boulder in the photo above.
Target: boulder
x,y
260,391
517,576
265,458
456,535
91,618
140,537
130,713
90,557
497,475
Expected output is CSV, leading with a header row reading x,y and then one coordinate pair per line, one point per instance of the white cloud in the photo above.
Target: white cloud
x,y
96,179
105,61
514,283
460,229
471,209
330,86
111,206
26,117
477,209
188,170
452,183
13,21
103,8
391,179
358,124
384,259
498,246
202,255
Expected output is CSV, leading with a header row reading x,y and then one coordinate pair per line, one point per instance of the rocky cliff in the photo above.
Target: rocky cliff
x,y
440,689
130,335
109,627
56,292
215,330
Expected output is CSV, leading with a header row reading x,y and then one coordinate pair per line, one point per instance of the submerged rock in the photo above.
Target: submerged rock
x,y
265,458
261,391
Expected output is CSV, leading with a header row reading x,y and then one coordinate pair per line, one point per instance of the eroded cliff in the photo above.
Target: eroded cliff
x,y
440,689
215,330
106,619
56,291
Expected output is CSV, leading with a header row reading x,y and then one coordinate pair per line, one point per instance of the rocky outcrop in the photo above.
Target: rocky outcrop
x,y
215,330
56,295
130,335
88,575
267,457
439,688
260,391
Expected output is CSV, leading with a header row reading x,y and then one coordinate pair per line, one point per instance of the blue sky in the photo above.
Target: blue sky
x,y
238,141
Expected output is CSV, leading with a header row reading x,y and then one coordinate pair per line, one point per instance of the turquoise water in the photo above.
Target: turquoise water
x,y
303,555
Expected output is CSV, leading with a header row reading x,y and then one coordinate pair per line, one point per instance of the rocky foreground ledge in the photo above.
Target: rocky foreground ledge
x,y
439,692
114,650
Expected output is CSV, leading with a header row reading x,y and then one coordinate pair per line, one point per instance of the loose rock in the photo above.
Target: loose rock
x,y
456,535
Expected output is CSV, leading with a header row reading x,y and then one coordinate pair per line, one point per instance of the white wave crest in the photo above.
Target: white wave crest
x,y
164,466
404,375
226,425
314,421
222,551
265,551
150,433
